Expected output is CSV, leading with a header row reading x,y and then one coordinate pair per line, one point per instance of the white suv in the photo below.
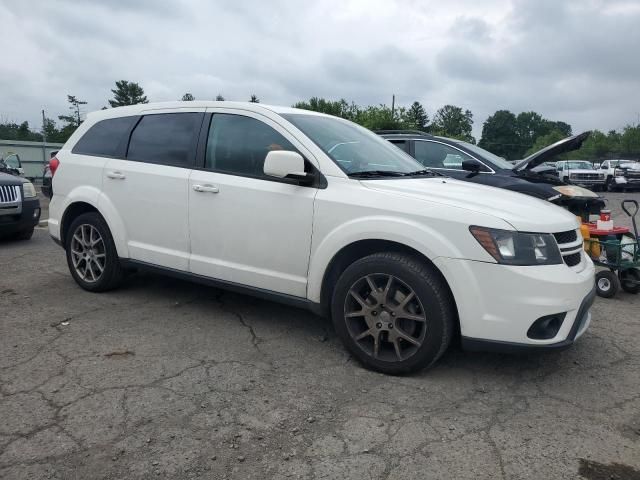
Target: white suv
x,y
318,212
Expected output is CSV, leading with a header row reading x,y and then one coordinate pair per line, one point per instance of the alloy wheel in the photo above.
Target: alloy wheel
x,y
88,253
385,317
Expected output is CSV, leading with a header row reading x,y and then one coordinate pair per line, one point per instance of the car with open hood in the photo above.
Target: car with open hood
x,y
318,212
532,176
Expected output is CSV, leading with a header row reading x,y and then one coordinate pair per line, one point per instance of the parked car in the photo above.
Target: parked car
x,y
46,175
318,212
580,172
12,165
532,176
19,207
621,174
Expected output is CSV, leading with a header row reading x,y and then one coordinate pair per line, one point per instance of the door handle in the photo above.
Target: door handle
x,y
116,175
206,188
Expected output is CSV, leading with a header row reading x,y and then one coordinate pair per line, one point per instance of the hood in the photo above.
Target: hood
x,y
563,146
523,212
8,179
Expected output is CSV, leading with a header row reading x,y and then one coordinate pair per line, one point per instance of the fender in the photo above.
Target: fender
x,y
94,197
416,235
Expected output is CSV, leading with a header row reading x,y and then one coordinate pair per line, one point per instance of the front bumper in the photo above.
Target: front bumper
x,y
580,325
25,220
497,304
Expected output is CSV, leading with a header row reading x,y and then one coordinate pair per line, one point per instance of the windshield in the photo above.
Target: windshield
x,y
353,148
488,156
580,165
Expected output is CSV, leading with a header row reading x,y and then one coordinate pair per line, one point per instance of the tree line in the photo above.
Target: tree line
x,y
509,135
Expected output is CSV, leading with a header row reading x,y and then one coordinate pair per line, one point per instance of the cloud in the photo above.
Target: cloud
x,y
572,61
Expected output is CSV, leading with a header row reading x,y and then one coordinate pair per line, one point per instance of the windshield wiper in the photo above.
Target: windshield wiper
x,y
376,173
423,172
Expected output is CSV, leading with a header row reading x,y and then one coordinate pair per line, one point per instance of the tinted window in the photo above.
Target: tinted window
x,y
439,155
104,137
401,144
239,145
167,138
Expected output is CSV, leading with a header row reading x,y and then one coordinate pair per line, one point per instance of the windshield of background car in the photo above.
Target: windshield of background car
x,y
488,156
580,165
353,148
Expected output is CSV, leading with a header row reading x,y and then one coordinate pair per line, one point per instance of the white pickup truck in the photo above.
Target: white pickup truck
x,y
621,174
580,172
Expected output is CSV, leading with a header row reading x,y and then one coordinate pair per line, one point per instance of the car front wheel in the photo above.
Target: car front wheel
x,y
91,254
393,312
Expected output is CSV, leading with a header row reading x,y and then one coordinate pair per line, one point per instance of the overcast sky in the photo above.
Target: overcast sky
x,y
576,61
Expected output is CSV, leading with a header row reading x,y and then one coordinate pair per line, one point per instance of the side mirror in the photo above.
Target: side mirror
x,y
472,166
284,164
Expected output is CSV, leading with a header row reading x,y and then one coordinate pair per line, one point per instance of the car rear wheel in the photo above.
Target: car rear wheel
x,y
393,312
91,254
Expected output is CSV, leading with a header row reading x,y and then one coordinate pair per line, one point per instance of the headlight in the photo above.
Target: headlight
x,y
517,248
574,191
29,190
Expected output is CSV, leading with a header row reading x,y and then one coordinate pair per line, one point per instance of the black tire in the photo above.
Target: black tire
x,y
24,234
630,280
112,273
607,284
430,290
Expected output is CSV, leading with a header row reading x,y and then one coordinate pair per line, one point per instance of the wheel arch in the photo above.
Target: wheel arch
x,y
362,248
79,207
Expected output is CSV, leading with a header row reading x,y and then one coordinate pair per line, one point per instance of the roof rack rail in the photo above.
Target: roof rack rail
x,y
403,132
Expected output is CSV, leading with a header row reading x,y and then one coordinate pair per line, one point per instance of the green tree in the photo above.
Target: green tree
x,y
416,117
127,93
12,131
187,97
254,99
75,117
630,141
380,118
452,121
338,108
500,135
219,98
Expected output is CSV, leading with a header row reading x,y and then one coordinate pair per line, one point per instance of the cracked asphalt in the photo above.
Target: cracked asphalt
x,y
168,379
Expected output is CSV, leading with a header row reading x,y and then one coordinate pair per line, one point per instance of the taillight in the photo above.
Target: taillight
x,y
54,163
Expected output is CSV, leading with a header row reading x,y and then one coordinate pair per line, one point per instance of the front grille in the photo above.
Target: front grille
x,y
573,259
566,237
586,176
9,193
568,242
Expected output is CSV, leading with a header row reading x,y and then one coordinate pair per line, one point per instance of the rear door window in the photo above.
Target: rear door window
x,y
106,138
166,139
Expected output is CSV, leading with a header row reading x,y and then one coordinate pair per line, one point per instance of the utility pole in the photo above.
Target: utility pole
x,y
393,106
44,140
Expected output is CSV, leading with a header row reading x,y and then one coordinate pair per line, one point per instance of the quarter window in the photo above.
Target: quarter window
x,y
166,138
439,155
239,145
104,138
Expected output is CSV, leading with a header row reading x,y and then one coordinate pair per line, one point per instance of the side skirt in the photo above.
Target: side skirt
x,y
270,295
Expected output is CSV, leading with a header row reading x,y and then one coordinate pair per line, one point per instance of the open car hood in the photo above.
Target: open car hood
x,y
565,145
